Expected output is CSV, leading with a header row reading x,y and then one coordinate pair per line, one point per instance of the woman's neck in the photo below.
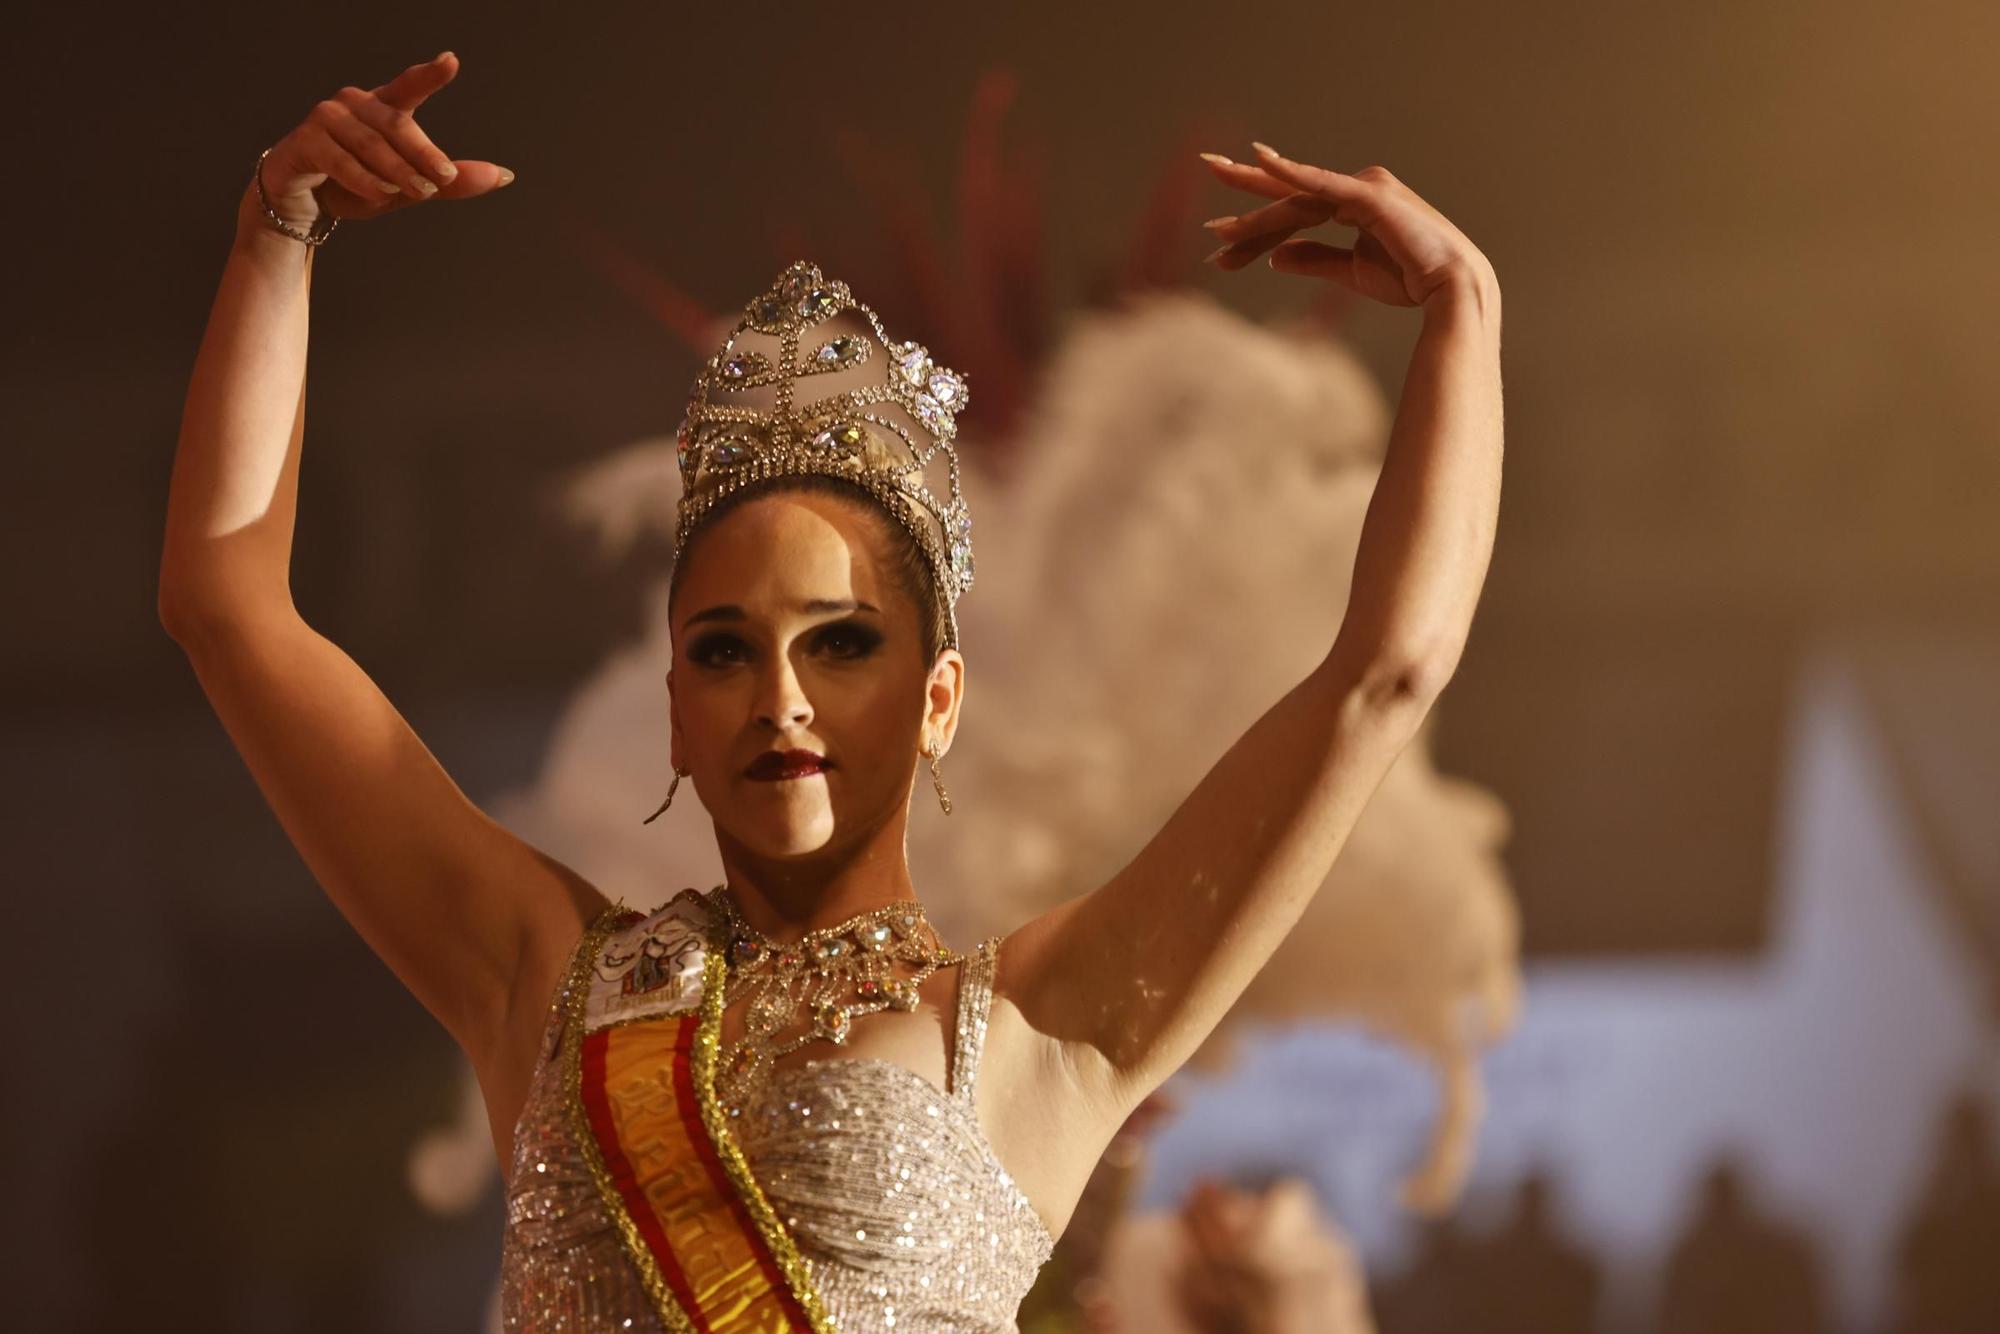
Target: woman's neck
x,y
784,900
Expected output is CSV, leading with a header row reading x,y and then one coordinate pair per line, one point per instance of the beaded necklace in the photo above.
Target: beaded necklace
x,y
836,972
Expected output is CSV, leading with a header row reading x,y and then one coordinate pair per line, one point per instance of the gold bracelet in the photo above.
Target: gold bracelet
x,y
322,226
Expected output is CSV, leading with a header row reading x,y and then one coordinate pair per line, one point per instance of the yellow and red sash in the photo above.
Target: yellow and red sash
x,y
645,998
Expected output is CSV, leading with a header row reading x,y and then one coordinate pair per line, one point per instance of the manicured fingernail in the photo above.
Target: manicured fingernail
x,y
1217,159
1214,254
390,186
1217,222
428,188
506,176
1265,149
448,169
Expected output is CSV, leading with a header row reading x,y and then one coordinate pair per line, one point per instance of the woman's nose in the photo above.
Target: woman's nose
x,y
781,699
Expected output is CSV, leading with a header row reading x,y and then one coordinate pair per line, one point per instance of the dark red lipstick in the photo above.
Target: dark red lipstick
x,y
776,765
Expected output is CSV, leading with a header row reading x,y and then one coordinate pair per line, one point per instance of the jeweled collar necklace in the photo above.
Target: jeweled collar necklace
x,y
835,972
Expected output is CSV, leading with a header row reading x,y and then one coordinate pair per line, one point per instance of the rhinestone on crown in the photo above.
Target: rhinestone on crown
x,y
883,431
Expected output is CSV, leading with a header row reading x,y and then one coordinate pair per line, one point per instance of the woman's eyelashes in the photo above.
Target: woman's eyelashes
x,y
851,639
840,639
708,651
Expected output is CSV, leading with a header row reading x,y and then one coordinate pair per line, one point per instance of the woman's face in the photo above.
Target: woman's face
x,y
788,634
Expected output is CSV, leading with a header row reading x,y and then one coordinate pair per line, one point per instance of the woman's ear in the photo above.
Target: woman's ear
x,y
946,692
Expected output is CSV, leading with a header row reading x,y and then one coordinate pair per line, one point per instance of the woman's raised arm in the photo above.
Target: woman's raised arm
x,y
1124,983
452,902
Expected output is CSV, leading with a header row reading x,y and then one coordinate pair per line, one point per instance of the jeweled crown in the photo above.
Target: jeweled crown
x,y
876,411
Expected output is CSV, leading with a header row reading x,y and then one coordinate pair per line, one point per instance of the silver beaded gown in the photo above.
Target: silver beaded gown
x,y
890,1189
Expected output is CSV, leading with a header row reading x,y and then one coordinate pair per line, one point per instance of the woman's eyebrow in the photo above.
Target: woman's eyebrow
x,y
730,611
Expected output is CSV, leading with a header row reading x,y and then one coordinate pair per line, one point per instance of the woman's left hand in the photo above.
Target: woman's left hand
x,y
1406,253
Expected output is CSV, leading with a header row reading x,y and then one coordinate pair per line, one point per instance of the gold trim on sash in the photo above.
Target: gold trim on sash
x,y
712,1260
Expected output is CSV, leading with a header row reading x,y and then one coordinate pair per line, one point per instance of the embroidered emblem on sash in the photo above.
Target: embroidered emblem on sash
x,y
652,967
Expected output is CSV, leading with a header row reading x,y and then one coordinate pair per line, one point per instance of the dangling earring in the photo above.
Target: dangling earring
x,y
679,773
937,779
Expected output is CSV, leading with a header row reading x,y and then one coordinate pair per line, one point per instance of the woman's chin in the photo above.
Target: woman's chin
x,y
787,818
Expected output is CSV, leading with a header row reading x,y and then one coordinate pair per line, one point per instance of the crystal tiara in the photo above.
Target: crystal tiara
x,y
878,413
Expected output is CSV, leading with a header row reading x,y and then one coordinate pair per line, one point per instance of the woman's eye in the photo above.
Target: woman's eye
x,y
710,652
851,639
846,640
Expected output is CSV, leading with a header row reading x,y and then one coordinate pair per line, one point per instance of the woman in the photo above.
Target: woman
x,y
756,1107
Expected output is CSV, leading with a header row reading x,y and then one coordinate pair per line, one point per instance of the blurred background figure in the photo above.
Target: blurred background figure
x,y
1946,1280
1735,1269
1251,1261
1234,1257
1525,1274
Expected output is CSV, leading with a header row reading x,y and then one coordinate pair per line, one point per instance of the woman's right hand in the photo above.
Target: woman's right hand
x,y
360,153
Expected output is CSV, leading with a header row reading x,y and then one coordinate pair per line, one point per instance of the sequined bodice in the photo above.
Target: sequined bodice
x,y
890,1189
